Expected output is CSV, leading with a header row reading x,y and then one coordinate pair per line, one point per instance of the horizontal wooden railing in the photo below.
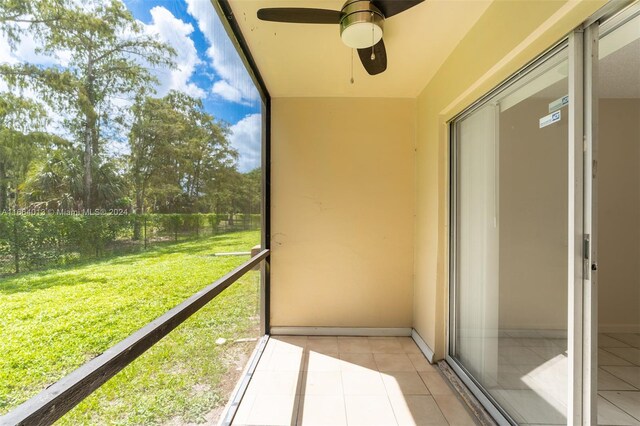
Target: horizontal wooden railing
x,y
53,402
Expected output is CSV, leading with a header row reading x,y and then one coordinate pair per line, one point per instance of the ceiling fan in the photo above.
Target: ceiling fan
x,y
361,25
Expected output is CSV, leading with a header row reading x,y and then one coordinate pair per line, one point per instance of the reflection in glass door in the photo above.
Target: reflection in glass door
x,y
617,209
510,263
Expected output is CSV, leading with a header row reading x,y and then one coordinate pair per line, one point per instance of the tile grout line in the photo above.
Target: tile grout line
x,y
635,388
616,405
429,389
383,383
395,416
344,396
609,335
386,391
617,340
629,364
633,365
432,394
618,356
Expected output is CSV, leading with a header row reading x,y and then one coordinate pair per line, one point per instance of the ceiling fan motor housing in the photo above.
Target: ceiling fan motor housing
x,y
361,24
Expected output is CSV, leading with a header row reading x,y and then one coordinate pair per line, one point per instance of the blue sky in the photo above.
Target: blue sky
x,y
204,75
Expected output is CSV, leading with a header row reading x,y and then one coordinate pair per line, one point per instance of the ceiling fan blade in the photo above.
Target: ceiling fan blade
x,y
393,7
298,15
379,63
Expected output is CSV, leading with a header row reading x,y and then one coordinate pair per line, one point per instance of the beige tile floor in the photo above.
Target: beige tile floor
x,y
336,381
619,378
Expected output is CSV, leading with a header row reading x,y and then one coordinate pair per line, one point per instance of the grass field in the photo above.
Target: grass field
x,y
53,321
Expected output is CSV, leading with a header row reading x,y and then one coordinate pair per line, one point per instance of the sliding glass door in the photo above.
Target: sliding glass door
x,y
545,234
511,245
516,270
613,86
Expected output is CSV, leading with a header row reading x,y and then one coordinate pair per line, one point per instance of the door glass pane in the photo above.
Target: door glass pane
x,y
618,215
511,245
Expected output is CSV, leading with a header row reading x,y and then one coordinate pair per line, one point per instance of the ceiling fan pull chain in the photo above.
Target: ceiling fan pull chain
x,y
352,65
373,41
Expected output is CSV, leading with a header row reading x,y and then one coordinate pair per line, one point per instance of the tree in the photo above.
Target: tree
x,y
177,153
109,55
20,142
55,180
157,125
253,182
20,16
207,154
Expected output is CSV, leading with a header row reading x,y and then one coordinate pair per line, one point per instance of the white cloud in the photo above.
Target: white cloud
x,y
246,138
227,91
25,51
6,55
223,55
167,28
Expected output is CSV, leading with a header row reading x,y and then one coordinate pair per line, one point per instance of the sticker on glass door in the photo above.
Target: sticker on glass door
x,y
550,119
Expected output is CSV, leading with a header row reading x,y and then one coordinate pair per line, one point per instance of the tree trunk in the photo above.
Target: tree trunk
x,y
16,244
87,105
136,227
88,178
136,223
4,184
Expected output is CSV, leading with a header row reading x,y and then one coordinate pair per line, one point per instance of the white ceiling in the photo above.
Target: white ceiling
x,y
306,60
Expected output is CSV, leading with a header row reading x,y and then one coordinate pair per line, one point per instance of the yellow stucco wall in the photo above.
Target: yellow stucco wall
x,y
342,212
507,36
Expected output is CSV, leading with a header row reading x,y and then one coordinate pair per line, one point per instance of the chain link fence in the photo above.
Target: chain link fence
x,y
38,241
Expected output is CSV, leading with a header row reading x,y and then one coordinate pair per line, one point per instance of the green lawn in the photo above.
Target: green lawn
x,y
53,321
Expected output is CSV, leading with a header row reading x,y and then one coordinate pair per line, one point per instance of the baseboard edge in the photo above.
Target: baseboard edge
x,y
340,331
422,345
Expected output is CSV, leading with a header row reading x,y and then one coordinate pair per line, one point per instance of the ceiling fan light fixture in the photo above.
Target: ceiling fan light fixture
x,y
361,24
361,35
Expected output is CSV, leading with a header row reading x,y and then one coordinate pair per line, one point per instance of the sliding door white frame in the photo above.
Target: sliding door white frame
x,y
576,238
590,319
609,19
